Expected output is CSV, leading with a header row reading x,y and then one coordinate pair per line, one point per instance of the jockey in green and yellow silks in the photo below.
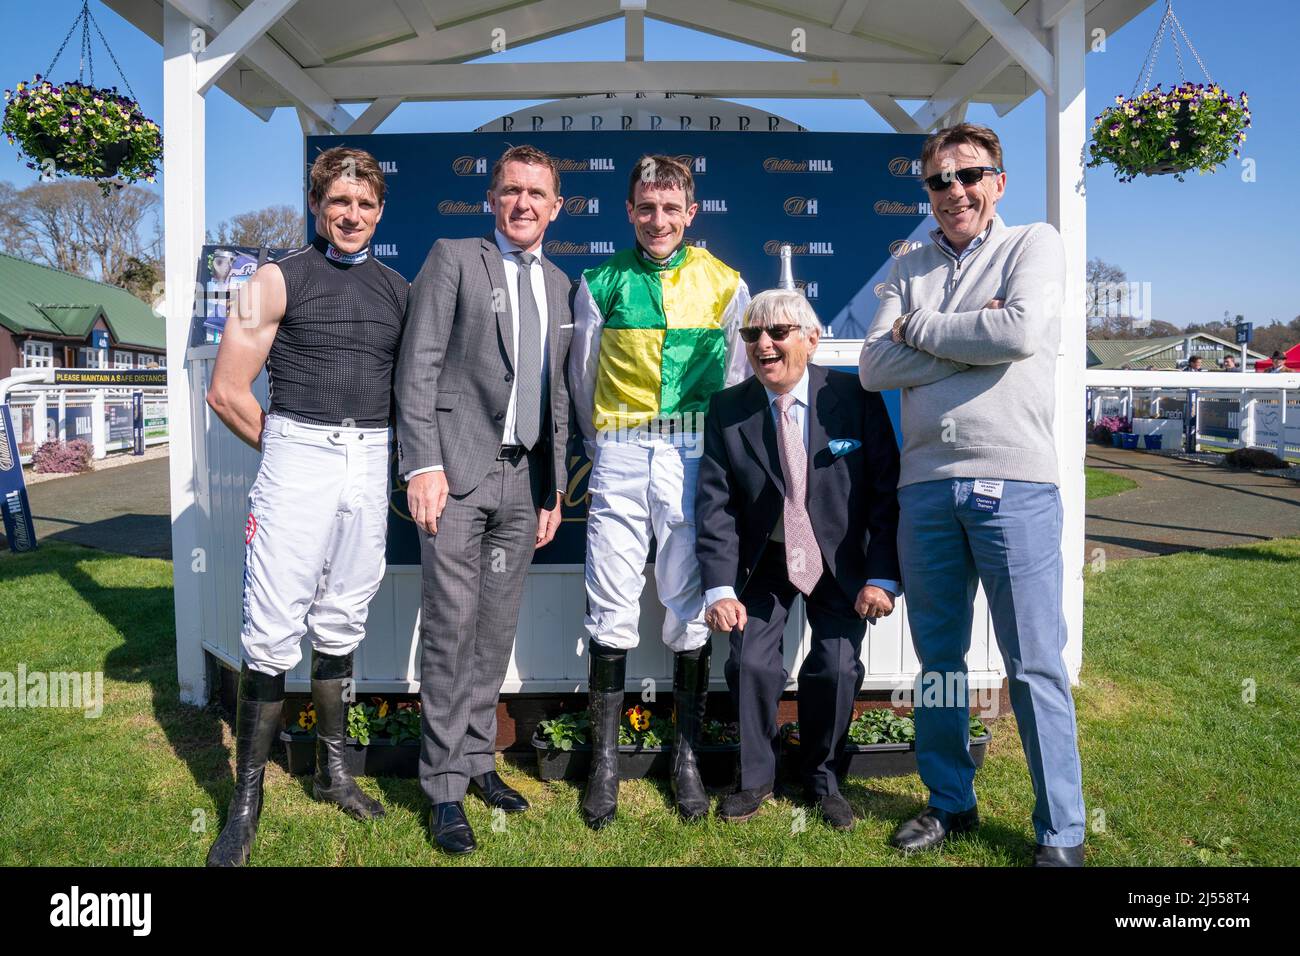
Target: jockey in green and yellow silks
x,y
655,334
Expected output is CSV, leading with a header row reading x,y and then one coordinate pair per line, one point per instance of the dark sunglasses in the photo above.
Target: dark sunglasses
x,y
967,177
777,333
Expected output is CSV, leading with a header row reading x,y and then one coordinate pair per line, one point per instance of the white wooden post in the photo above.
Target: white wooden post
x,y
1246,419
183,209
1281,424
40,418
63,415
98,425
1067,130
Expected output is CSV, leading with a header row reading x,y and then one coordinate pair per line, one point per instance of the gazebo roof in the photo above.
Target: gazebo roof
x,y
316,54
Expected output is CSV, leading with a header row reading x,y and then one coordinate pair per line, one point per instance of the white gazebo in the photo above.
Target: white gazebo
x,y
321,56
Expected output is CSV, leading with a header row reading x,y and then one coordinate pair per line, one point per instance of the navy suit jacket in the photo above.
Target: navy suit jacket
x,y
852,498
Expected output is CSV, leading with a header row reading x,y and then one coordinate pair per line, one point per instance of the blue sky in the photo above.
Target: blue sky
x,y
1211,244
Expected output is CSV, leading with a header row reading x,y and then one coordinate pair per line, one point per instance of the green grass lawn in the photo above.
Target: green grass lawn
x,y
1179,769
1102,484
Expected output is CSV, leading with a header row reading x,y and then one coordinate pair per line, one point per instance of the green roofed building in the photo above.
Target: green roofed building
x,y
1164,352
50,318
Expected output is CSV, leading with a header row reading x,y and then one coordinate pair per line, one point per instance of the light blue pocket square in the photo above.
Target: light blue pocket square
x,y
842,446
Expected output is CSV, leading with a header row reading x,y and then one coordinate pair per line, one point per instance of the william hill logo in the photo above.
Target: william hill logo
x,y
696,164
901,247
774,165
891,207
713,205
582,206
385,249
563,247
903,167
800,206
599,164
6,453
773,248
388,167
469,166
697,243
809,289
459,207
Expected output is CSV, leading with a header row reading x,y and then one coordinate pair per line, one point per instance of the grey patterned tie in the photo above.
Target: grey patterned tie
x,y
528,358
803,556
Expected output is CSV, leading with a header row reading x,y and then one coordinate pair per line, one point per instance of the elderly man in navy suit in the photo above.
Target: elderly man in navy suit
x,y
796,496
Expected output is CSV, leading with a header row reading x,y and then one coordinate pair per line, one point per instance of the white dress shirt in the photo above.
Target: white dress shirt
x,y
799,412
511,265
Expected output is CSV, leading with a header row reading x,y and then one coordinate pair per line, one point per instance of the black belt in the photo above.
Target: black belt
x,y
511,453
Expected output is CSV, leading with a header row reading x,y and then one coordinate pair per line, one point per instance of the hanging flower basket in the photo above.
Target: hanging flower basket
x,y
1168,132
1159,132
78,128
85,130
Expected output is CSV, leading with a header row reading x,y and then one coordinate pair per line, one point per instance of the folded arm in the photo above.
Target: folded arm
x,y
885,364
1022,326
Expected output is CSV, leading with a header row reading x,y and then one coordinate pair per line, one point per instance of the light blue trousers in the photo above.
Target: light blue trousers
x,y
946,547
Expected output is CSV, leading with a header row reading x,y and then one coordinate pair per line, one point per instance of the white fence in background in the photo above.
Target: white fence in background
x,y
1257,414
103,417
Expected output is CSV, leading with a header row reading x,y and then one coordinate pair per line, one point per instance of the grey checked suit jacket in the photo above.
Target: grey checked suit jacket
x,y
456,365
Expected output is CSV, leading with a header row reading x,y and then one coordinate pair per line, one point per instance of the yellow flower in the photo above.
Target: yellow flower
x,y
307,717
383,708
638,718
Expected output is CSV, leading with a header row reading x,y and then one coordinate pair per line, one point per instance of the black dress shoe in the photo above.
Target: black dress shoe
x,y
743,804
1058,855
836,811
932,827
451,831
495,792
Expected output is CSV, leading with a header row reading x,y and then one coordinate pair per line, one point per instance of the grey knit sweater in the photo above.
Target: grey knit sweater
x,y
978,384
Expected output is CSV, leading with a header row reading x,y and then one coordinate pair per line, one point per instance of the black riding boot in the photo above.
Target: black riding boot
x,y
690,693
257,721
606,673
333,783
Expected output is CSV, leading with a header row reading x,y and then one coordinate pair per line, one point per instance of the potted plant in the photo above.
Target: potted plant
x,y
1161,132
383,739
82,131
563,746
882,744
1115,426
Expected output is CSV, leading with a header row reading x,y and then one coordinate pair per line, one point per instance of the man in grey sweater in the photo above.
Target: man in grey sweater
x,y
968,329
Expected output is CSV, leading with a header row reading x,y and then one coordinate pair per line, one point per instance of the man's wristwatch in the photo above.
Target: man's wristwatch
x,y
900,325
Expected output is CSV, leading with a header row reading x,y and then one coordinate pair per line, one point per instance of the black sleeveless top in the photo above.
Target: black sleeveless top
x,y
333,356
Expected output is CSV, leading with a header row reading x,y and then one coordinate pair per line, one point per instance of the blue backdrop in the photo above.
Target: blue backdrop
x,y
848,203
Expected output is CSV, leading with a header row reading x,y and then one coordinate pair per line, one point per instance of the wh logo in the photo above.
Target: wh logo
x,y
713,205
820,166
582,206
388,167
809,289
800,206
701,164
923,208
601,164
385,248
599,248
820,249
469,166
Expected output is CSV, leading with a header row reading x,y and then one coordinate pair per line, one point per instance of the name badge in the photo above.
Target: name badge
x,y
986,495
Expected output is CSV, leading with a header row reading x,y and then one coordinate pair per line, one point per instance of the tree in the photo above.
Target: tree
x,y
277,227
72,225
1107,290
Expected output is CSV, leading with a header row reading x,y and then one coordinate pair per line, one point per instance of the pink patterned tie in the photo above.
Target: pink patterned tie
x,y
803,558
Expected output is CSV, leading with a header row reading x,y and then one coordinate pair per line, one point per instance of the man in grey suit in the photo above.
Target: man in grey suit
x,y
482,425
